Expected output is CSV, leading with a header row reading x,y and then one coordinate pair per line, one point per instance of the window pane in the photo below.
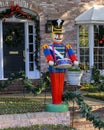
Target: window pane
x,y
84,59
83,36
31,57
83,46
31,48
84,51
99,58
31,66
30,29
30,38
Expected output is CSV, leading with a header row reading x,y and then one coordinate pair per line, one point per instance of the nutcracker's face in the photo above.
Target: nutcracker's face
x,y
58,38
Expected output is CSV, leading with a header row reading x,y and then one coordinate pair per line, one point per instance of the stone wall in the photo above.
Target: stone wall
x,y
29,119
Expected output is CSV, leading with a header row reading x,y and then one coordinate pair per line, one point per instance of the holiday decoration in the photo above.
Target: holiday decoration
x,y
16,11
14,36
59,57
101,35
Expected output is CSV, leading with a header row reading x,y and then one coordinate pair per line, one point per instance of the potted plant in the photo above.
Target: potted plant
x,y
74,75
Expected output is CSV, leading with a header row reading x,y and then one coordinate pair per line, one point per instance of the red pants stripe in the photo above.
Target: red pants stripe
x,y
57,85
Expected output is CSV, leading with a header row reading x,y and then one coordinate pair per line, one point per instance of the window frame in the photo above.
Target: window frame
x,y
90,42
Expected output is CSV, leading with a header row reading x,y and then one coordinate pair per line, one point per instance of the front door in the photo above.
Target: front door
x,y
13,48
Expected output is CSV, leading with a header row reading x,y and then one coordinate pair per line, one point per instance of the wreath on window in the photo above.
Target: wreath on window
x,y
14,36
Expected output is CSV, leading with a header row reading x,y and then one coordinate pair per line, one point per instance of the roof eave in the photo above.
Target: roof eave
x,y
89,22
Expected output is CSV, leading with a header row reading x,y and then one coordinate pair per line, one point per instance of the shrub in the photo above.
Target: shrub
x,y
96,95
98,79
90,87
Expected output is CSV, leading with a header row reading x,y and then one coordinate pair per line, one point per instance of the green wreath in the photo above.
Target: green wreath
x,y
14,36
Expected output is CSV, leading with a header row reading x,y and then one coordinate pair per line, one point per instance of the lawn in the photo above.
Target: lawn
x,y
43,127
96,95
11,104
14,104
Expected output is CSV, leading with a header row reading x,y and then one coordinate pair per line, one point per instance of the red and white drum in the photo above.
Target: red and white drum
x,y
63,63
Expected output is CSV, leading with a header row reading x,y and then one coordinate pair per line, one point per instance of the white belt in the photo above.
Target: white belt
x,y
58,53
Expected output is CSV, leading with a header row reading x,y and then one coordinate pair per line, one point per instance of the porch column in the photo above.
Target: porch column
x,y
91,44
1,51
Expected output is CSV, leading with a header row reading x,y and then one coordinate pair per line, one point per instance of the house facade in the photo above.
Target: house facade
x,y
25,27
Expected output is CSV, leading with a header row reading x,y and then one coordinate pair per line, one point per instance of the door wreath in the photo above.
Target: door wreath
x,y
13,36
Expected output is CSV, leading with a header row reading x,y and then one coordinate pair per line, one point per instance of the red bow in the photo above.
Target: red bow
x,y
15,9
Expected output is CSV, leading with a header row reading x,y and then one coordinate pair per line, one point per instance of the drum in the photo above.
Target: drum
x,y
63,63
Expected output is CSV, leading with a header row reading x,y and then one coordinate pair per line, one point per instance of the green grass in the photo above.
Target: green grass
x,y
43,127
97,95
18,104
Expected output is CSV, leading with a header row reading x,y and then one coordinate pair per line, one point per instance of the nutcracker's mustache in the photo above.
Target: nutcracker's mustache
x,y
58,39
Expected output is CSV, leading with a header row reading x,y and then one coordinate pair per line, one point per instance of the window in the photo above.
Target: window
x,y
91,45
31,48
83,45
99,46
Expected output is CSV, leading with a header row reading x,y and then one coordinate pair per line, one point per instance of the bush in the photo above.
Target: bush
x,y
90,87
98,79
96,95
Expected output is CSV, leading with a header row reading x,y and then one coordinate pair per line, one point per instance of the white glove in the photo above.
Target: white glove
x,y
76,63
51,63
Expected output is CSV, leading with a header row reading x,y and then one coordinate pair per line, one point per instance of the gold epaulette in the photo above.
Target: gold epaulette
x,y
44,46
68,46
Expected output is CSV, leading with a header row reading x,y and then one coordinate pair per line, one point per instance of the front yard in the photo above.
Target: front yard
x,y
43,127
14,104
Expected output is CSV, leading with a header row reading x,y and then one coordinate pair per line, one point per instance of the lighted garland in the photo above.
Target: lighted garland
x,y
41,85
85,109
17,11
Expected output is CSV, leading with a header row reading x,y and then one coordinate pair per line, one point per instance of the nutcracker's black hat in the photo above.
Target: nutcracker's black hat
x,y
57,26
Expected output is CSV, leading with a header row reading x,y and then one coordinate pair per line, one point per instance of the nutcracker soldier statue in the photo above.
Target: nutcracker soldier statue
x,y
59,57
